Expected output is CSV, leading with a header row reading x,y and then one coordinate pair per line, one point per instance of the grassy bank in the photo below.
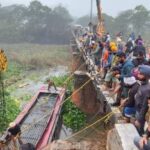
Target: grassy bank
x,y
28,61
34,56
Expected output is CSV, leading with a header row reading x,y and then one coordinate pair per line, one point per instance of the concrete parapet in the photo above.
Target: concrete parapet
x,y
122,137
86,98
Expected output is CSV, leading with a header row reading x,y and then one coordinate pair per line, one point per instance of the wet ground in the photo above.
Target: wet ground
x,y
32,81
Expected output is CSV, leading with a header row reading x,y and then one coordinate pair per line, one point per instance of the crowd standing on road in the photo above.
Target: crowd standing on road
x,y
125,70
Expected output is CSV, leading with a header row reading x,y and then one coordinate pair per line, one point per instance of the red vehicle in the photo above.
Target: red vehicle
x,y
40,119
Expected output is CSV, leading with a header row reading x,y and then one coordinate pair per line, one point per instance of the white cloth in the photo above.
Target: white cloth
x,y
129,80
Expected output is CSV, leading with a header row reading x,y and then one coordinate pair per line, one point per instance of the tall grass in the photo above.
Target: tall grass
x,y
34,56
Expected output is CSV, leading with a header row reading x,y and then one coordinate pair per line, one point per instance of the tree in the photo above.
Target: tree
x,y
35,24
123,22
140,19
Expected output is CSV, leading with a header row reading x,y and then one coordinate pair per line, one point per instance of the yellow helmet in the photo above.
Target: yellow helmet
x,y
114,49
112,44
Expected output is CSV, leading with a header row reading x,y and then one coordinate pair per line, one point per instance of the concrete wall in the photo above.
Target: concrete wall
x,y
86,98
122,137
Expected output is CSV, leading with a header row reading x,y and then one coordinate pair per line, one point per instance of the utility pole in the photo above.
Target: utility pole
x,y
91,17
91,12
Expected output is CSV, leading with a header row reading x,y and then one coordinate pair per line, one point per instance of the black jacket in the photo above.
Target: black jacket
x,y
138,62
131,95
141,100
129,47
137,49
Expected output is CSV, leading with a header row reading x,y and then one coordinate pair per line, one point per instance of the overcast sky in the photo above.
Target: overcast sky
x,y
82,7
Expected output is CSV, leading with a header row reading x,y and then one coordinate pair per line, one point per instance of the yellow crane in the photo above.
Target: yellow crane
x,y
100,26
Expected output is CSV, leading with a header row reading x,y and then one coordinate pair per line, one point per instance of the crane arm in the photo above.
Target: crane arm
x,y
100,26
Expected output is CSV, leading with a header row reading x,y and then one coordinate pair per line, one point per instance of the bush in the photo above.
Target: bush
x,y
11,111
73,117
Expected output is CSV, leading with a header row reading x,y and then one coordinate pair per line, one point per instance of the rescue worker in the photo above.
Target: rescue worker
x,y
129,46
108,38
104,61
143,143
116,87
139,47
139,39
109,78
126,71
140,59
129,103
141,97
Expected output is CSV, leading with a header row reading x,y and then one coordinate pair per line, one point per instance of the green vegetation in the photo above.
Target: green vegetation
x,y
34,56
12,110
62,80
13,69
26,98
72,116
25,62
34,24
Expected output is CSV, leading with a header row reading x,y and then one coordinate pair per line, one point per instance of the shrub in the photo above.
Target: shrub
x,y
11,111
73,117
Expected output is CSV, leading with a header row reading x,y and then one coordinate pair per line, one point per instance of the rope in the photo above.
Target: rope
x,y
64,85
49,113
101,119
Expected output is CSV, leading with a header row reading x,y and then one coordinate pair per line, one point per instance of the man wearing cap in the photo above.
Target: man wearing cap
x,y
129,103
141,98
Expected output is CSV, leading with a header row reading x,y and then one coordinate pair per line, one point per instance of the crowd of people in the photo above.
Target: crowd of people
x,y
126,73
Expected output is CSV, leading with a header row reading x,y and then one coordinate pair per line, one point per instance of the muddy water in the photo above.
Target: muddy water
x,y
26,88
